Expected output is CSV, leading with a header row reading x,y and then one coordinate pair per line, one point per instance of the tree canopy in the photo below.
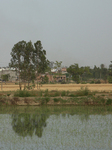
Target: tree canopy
x,y
29,60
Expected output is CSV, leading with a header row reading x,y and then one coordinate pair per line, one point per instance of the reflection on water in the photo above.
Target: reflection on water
x,y
27,124
57,130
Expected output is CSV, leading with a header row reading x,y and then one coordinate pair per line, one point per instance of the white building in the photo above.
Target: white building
x,y
12,73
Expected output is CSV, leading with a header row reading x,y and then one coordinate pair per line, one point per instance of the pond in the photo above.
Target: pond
x,y
56,128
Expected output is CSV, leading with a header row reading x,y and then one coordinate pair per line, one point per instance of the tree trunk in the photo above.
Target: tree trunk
x,y
24,85
19,85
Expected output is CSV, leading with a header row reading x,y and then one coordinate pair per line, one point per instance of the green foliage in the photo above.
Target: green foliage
x,y
83,82
46,93
23,93
5,77
57,93
110,79
97,82
56,99
57,64
92,82
47,99
28,59
16,83
67,92
83,92
63,82
77,72
109,102
63,93
71,95
45,79
102,100
40,92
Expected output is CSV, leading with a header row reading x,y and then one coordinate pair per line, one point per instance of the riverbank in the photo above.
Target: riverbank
x,y
80,97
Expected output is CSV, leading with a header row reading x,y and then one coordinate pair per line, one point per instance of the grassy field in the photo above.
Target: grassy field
x,y
70,87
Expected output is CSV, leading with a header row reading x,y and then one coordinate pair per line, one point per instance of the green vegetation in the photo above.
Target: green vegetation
x,y
5,77
79,97
109,102
29,61
23,93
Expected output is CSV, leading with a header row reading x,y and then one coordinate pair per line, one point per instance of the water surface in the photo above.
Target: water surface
x,y
56,128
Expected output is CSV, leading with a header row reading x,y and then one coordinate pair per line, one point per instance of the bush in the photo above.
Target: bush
x,y
23,93
92,82
83,92
97,82
46,93
56,99
63,93
47,99
110,79
57,93
109,102
83,82
63,82
71,95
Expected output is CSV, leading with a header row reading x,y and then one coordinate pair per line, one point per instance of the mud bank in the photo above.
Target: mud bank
x,y
58,101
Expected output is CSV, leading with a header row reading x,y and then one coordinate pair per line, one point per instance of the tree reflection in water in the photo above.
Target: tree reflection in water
x,y
27,124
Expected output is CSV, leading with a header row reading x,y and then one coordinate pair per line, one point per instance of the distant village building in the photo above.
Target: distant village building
x,y
11,72
54,70
53,78
64,70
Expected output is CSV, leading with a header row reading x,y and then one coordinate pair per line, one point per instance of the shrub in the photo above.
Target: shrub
x,y
47,99
110,79
71,95
103,100
92,82
23,93
97,82
67,93
109,102
63,93
46,93
83,82
56,99
57,93
63,82
40,93
83,92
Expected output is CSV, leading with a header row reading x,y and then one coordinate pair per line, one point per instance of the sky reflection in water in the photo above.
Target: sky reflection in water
x,y
61,131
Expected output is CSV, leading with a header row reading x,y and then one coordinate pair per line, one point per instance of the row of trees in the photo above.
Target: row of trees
x,y
29,61
80,74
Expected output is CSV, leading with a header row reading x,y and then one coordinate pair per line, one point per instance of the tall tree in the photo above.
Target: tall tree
x,y
39,59
17,58
110,73
77,72
28,59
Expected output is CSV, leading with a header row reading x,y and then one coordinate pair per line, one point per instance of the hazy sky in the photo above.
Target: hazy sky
x,y
71,31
